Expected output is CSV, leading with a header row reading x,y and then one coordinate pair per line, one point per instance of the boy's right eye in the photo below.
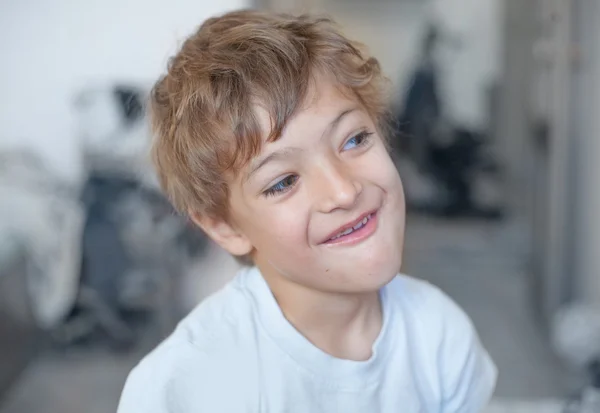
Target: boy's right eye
x,y
282,186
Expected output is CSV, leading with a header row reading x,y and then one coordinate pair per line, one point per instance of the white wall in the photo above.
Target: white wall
x,y
49,48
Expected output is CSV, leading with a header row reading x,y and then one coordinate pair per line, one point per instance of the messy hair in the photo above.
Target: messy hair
x,y
203,110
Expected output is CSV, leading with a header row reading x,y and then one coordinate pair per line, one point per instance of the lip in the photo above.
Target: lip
x,y
355,236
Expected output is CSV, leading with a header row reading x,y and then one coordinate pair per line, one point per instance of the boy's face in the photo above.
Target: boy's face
x,y
323,206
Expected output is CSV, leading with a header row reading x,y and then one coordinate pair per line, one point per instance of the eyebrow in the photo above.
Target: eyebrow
x,y
336,122
285,152
277,155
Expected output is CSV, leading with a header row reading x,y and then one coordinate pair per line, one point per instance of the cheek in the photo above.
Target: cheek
x,y
383,172
280,230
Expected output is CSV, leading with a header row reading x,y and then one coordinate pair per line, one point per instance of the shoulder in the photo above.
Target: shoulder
x,y
429,302
205,365
433,318
451,355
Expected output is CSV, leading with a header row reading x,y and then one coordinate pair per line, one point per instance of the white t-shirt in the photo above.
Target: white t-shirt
x,y
237,353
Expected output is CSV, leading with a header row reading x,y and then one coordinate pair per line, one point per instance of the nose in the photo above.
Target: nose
x,y
336,187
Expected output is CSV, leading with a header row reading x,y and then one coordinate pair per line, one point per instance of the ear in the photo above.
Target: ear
x,y
224,234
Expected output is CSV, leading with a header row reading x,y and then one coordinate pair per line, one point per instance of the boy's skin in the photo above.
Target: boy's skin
x,y
329,168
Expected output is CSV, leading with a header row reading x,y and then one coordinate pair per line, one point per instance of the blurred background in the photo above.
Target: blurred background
x,y
496,138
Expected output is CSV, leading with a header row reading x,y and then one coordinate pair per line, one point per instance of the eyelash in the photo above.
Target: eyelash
x,y
364,135
279,187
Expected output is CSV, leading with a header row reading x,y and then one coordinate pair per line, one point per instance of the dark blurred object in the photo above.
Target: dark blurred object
x,y
450,155
130,102
114,135
134,245
19,330
421,104
134,248
588,400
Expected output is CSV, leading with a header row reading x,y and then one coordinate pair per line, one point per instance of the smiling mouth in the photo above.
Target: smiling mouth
x,y
350,230
361,230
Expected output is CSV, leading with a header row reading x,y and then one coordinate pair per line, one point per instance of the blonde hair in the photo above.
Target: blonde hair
x,y
203,109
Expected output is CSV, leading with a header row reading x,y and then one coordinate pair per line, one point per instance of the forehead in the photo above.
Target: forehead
x,y
324,99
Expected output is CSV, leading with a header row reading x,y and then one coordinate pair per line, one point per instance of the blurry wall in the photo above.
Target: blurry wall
x,y
50,48
518,31
562,154
586,135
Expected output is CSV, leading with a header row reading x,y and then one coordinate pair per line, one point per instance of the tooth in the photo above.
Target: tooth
x,y
351,229
361,223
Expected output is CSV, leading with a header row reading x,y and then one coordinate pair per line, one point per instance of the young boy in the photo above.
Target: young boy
x,y
269,134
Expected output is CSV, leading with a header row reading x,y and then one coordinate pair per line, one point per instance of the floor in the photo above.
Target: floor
x,y
479,265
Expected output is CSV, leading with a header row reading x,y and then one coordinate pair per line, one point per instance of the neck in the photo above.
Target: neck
x,y
342,325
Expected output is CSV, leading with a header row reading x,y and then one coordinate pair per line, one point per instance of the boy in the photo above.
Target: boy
x,y
269,135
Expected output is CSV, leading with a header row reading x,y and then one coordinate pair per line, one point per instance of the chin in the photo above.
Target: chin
x,y
372,275
387,273
376,265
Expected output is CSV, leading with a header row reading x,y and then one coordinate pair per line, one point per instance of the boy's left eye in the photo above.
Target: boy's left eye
x,y
360,139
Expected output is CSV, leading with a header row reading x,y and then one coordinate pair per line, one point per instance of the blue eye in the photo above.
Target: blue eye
x,y
360,139
282,186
